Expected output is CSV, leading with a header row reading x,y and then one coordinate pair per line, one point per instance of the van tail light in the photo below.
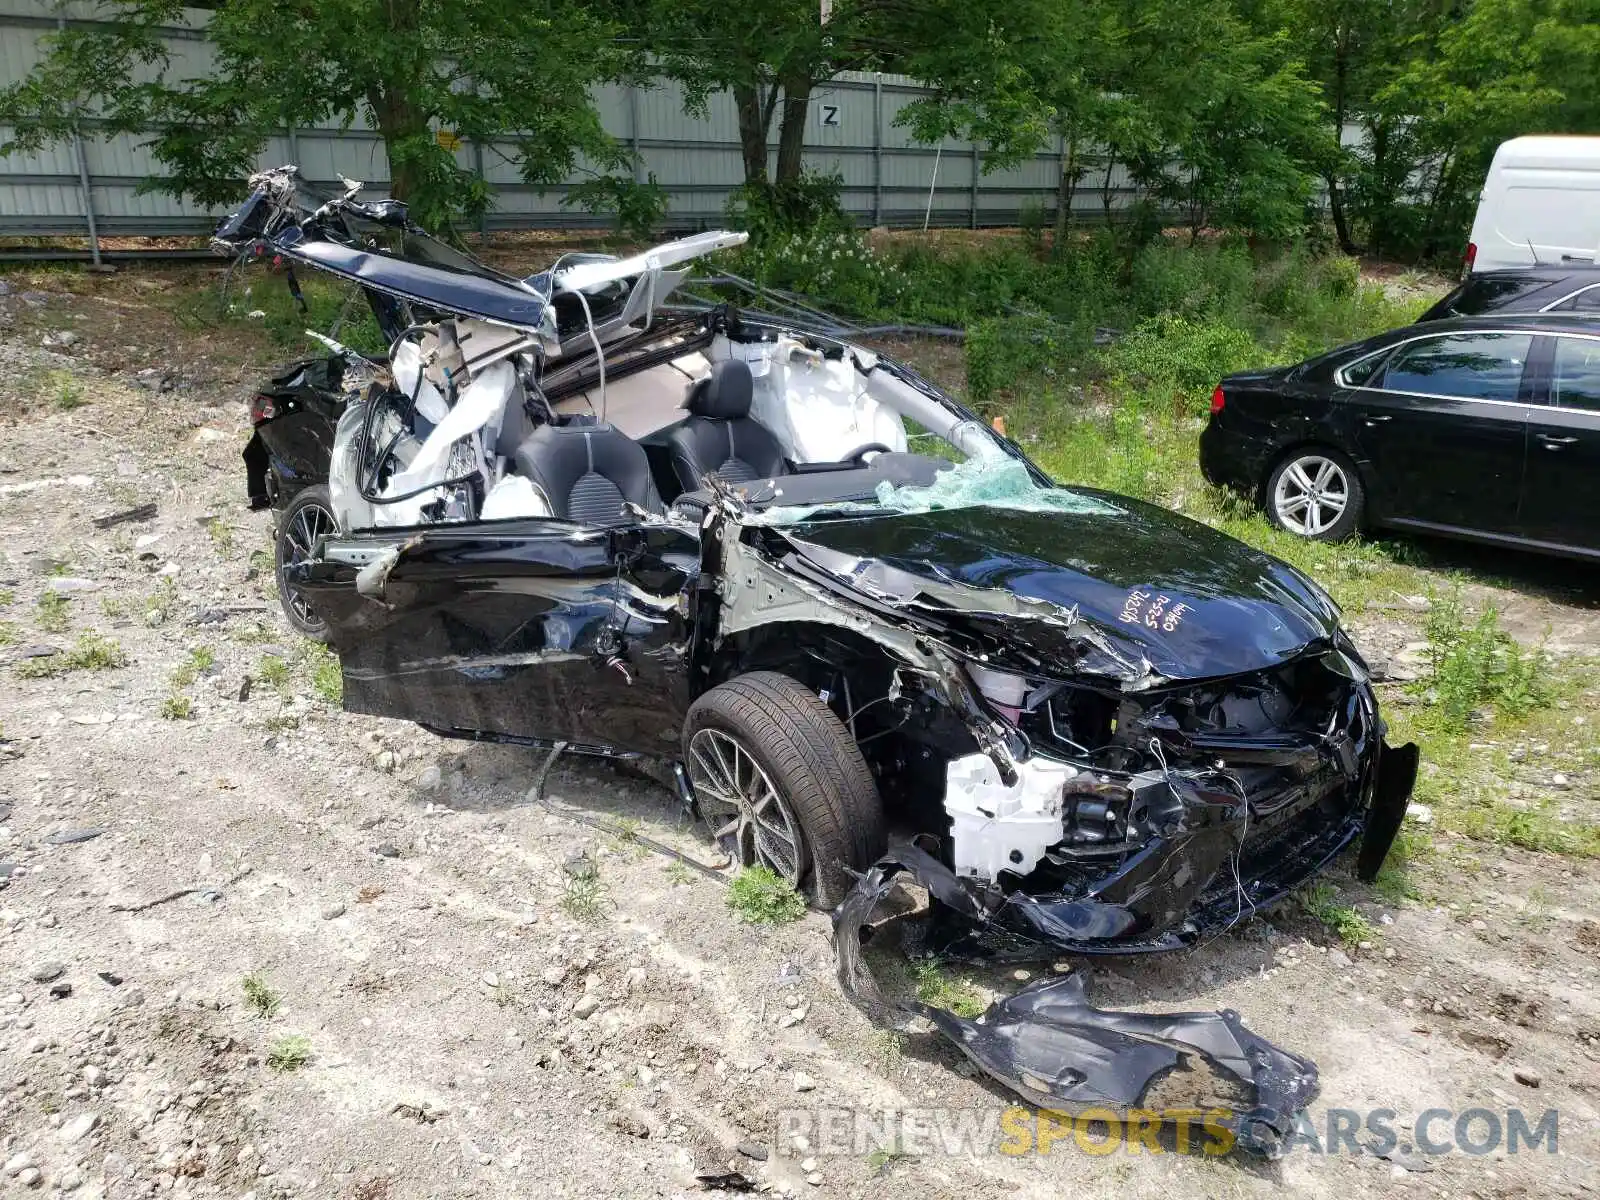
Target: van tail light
x,y
1472,254
262,409
1217,400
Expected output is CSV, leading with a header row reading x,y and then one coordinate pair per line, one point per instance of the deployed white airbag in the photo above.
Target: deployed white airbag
x,y
477,414
818,408
514,496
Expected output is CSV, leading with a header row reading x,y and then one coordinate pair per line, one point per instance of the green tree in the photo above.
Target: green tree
x,y
420,73
1498,69
770,56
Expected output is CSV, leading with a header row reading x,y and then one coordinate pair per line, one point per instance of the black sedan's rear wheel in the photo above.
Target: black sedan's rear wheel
x,y
308,519
783,784
1314,492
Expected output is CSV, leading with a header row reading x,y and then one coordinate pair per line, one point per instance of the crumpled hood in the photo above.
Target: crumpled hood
x,y
1154,592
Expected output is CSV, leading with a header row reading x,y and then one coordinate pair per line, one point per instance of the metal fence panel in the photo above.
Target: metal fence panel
x,y
695,157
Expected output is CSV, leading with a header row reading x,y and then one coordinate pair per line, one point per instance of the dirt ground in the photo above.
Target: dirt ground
x,y
478,1021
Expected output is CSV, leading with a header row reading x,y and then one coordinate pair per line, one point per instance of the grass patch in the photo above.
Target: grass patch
x,y
7,597
281,319
200,659
1477,666
584,897
289,1053
162,603
938,987
678,874
274,671
1394,882
281,723
57,387
1321,902
51,612
327,679
177,708
8,633
759,896
881,1159
888,1049
92,652
221,536
259,996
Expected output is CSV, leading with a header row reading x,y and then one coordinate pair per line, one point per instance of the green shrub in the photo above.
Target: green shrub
x,y
1207,280
1478,666
1003,352
1181,354
636,208
761,897
834,266
810,204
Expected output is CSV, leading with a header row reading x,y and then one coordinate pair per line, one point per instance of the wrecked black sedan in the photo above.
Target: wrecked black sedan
x,y
838,605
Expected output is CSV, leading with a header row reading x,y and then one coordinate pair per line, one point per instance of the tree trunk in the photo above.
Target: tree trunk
x,y
1341,222
1341,71
792,133
1381,206
398,118
1105,184
1066,188
753,118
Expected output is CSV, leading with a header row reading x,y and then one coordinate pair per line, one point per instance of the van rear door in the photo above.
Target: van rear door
x,y
1540,204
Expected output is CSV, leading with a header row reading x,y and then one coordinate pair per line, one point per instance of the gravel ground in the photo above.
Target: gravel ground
x,y
441,1005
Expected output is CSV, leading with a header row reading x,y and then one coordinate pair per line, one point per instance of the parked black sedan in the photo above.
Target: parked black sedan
x,y
1485,428
1561,287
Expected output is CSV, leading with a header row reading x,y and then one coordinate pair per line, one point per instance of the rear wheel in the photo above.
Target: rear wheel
x,y
782,783
307,520
1316,493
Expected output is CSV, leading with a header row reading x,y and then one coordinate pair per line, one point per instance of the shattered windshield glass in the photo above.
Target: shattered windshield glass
x,y
993,480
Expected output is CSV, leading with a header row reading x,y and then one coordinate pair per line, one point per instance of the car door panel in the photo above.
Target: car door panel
x,y
1449,460
524,629
1562,488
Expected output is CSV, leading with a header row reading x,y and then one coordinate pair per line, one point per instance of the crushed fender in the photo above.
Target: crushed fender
x,y
1053,1048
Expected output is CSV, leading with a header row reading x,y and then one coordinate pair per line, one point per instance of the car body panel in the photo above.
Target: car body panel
x,y
1164,591
536,629
290,450
1562,489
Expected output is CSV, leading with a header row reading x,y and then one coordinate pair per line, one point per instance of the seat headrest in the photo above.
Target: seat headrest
x,y
725,394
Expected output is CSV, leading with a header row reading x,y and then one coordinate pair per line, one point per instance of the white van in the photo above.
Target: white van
x,y
1540,205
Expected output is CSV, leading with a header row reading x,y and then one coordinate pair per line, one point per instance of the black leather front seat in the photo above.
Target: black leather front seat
x,y
720,438
588,472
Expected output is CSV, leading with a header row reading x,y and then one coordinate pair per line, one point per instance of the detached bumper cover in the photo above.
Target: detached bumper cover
x,y
1050,1046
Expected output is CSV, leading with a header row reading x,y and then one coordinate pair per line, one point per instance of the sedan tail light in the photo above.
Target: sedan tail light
x,y
1472,255
262,409
1217,400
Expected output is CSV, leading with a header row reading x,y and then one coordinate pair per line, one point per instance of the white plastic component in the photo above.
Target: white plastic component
x,y
586,275
514,496
997,828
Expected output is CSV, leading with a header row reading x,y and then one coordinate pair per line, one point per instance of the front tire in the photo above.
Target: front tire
x,y
783,784
308,518
1316,493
